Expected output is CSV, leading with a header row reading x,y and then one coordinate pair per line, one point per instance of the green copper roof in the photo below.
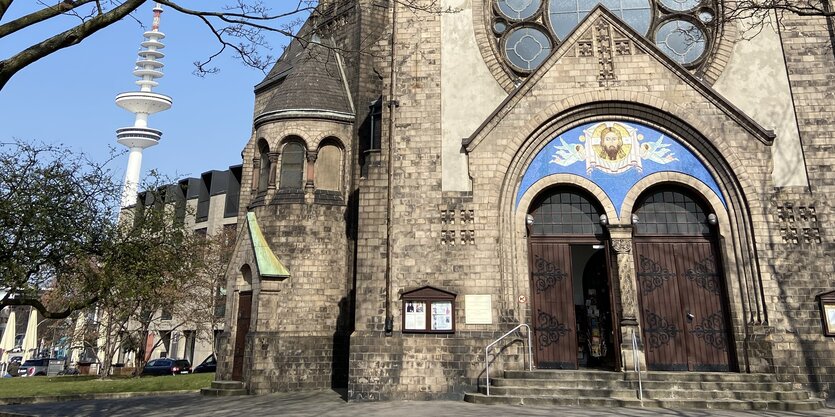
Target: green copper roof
x,y
268,264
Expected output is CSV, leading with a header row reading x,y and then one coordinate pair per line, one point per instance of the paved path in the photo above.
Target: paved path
x,y
329,403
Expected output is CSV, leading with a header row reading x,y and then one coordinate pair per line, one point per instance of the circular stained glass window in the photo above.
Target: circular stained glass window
x,y
518,9
565,15
681,40
499,27
706,16
680,5
527,47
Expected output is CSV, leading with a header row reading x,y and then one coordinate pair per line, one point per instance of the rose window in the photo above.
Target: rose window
x,y
528,30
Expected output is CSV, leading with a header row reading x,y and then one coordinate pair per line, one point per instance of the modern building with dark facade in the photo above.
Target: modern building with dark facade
x,y
420,182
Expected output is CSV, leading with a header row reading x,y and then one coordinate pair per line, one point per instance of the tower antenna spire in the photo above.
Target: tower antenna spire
x,y
142,104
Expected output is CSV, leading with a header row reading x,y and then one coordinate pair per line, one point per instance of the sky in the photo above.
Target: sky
x,y
68,97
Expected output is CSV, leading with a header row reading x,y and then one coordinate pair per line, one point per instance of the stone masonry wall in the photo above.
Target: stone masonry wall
x,y
800,247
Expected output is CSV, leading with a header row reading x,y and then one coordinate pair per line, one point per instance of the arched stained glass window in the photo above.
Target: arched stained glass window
x,y
565,212
671,211
265,166
292,166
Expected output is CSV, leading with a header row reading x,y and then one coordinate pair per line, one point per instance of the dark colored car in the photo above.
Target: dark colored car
x,y
33,367
166,366
208,365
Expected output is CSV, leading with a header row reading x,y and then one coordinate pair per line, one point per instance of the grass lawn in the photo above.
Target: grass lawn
x,y
85,384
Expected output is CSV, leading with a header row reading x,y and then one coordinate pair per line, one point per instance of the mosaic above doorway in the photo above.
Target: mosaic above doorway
x,y
615,156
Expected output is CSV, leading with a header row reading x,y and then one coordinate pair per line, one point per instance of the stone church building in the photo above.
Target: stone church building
x,y
641,182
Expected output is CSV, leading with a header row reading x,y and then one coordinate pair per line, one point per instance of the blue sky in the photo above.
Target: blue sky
x,y
68,97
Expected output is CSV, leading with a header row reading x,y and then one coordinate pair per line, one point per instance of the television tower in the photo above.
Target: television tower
x,y
142,103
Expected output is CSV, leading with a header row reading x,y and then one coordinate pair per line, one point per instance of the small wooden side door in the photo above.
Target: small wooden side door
x,y
241,330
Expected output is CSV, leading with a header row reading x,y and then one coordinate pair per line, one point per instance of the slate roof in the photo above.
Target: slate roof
x,y
307,77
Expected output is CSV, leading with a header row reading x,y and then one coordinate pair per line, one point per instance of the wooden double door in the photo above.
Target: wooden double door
x,y
684,317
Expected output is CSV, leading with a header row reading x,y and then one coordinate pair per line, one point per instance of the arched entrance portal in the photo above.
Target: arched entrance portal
x,y
569,280
684,315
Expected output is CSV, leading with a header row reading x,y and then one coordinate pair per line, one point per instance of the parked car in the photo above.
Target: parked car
x,y
166,366
14,365
69,371
208,365
34,367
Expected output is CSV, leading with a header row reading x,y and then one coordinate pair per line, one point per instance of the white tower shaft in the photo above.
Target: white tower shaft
x,y
142,103
131,184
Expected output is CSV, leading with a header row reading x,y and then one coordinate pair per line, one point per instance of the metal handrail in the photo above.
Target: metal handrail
x,y
637,365
487,353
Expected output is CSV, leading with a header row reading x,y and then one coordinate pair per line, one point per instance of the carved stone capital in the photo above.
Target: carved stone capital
x,y
312,156
622,245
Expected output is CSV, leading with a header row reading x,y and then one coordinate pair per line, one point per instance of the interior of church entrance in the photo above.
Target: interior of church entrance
x,y
593,305
571,297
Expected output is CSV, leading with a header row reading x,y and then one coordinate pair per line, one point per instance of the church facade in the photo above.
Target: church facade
x,y
644,182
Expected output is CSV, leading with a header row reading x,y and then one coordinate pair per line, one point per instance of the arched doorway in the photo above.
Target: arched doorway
x,y
569,281
684,315
242,323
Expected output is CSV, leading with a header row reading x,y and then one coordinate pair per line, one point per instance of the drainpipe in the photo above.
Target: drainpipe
x,y
393,104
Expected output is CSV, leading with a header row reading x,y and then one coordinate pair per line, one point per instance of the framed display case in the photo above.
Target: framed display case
x,y
428,310
826,303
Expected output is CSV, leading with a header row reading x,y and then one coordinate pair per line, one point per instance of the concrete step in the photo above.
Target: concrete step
x,y
224,389
633,384
214,392
228,384
727,404
646,376
657,394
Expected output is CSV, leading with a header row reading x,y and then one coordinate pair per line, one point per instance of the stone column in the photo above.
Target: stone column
x,y
256,173
624,274
273,166
311,172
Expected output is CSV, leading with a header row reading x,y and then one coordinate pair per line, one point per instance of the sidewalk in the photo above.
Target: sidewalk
x,y
329,403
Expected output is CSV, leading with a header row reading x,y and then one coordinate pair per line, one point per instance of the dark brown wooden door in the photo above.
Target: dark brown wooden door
x,y
704,311
241,329
683,316
552,303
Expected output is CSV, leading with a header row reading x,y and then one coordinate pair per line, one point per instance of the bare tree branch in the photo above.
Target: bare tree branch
x,y
4,5
45,312
9,67
39,16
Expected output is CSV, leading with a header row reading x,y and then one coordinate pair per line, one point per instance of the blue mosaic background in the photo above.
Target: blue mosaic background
x,y
616,185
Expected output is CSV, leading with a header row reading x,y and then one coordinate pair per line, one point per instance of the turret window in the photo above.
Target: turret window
x,y
329,168
264,168
292,166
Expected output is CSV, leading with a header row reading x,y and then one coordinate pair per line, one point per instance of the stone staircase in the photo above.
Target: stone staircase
x,y
224,389
675,390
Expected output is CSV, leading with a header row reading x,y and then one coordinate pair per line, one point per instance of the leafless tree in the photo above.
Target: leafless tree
x,y
240,26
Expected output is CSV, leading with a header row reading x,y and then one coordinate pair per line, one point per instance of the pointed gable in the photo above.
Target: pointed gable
x,y
604,53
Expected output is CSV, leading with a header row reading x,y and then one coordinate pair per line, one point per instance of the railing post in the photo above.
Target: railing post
x,y
637,365
487,353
